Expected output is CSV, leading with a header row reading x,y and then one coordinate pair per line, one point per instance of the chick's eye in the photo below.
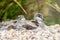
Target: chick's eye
x,y
40,16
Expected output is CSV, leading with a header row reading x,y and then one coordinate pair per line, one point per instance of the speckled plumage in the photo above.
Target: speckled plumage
x,y
39,18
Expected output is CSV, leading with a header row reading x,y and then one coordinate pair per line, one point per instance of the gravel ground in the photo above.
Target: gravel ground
x,y
49,33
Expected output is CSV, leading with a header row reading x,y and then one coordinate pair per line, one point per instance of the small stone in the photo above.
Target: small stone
x,y
1,25
29,27
11,27
15,21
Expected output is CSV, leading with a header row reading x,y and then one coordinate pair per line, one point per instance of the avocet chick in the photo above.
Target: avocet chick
x,y
21,20
39,18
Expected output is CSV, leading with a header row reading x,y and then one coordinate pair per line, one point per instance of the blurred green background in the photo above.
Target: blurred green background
x,y
50,9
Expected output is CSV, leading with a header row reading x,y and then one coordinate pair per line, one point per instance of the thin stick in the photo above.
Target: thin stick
x,y
20,6
53,7
38,5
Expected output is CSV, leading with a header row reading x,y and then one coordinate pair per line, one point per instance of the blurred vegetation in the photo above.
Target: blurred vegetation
x,y
50,9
